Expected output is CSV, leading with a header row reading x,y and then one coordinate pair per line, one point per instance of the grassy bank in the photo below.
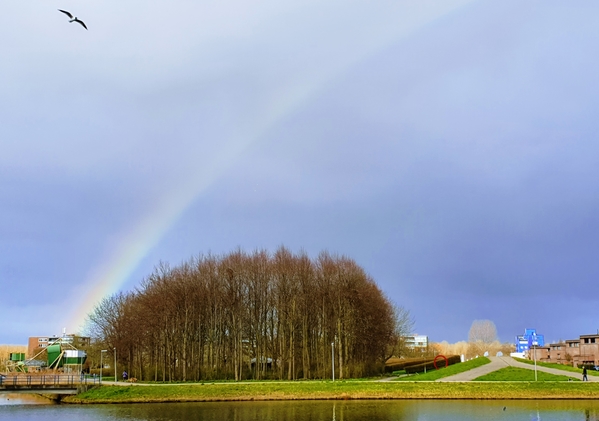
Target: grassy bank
x,y
446,371
337,390
515,374
558,366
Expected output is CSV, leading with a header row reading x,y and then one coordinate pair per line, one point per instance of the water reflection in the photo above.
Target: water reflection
x,y
315,411
591,415
23,399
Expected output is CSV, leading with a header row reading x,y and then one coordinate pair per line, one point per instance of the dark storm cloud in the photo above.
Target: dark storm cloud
x,y
456,160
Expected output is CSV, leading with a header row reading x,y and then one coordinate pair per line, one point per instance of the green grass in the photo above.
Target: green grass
x,y
558,366
338,390
447,371
515,374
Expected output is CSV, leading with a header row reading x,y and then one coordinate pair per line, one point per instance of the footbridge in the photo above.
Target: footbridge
x,y
52,384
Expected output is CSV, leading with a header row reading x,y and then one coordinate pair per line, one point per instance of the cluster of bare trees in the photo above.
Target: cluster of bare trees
x,y
250,316
482,337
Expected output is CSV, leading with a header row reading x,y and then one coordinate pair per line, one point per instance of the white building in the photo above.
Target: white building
x,y
417,341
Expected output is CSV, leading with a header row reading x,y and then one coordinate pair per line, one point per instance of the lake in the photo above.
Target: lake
x,y
24,407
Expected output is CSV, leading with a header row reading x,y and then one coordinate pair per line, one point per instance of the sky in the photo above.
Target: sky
x,y
447,146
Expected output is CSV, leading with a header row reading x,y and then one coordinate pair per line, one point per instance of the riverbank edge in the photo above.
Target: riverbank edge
x,y
337,391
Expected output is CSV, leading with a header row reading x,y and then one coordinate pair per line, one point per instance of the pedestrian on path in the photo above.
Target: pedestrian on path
x,y
584,374
124,376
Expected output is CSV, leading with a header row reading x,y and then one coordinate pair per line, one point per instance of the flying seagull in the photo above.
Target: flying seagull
x,y
73,19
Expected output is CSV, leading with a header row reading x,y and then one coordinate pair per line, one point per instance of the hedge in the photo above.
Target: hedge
x,y
419,368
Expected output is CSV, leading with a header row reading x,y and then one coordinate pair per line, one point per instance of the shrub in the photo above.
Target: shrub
x,y
419,368
398,366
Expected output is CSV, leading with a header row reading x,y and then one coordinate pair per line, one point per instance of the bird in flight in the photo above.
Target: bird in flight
x,y
73,19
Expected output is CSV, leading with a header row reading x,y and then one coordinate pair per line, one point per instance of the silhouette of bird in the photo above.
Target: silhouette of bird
x,y
72,19
504,408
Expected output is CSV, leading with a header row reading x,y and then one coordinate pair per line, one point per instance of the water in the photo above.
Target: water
x,y
20,407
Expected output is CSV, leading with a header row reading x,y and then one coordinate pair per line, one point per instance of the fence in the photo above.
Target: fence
x,y
47,381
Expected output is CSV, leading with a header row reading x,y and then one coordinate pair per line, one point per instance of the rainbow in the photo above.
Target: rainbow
x,y
115,269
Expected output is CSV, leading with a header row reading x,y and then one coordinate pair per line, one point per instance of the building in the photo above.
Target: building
x,y
558,354
575,352
588,350
528,340
417,342
539,353
36,343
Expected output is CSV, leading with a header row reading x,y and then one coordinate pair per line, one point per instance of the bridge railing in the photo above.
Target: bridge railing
x,y
54,380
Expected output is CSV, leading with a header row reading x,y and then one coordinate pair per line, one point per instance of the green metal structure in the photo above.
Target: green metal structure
x,y
17,356
59,355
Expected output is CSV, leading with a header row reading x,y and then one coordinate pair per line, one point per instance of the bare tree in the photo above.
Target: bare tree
x,y
404,325
482,337
483,331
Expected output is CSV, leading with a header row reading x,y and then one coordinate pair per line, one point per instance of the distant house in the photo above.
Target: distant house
x,y
416,342
575,352
589,350
540,353
572,350
35,343
557,353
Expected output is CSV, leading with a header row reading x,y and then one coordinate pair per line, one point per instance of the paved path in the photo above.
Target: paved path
x,y
557,371
502,362
495,364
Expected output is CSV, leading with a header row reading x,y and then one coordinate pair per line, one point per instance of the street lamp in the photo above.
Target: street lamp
x,y
115,379
534,344
101,363
333,358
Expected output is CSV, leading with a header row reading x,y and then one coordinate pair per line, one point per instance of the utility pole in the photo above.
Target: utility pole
x,y
333,358
534,344
115,378
101,363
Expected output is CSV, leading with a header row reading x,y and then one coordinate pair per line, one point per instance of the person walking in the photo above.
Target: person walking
x,y
584,374
125,376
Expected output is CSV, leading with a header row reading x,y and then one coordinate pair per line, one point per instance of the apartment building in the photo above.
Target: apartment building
x,y
575,352
36,343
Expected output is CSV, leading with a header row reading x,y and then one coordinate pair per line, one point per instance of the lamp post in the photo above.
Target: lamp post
x,y
333,358
115,379
534,344
101,363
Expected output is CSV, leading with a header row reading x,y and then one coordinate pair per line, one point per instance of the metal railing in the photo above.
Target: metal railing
x,y
47,380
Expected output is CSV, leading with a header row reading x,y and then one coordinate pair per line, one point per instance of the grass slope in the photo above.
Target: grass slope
x,y
558,366
447,371
515,374
337,390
